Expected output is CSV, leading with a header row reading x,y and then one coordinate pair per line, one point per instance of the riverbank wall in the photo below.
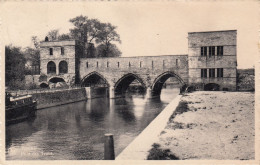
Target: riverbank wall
x,y
55,98
139,148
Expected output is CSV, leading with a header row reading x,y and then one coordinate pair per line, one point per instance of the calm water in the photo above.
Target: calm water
x,y
76,131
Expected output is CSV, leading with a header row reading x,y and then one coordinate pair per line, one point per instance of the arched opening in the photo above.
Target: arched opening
x,y
44,85
57,82
123,83
174,81
94,79
63,67
51,67
211,87
56,79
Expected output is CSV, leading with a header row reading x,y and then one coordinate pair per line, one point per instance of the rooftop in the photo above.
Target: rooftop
x,y
213,31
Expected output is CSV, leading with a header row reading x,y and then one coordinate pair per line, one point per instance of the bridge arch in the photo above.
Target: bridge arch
x,y
161,79
94,79
123,83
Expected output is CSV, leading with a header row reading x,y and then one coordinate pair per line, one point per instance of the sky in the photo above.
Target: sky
x,y
146,28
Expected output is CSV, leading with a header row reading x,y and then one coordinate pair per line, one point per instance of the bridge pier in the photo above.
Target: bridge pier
x,y
111,92
88,92
148,93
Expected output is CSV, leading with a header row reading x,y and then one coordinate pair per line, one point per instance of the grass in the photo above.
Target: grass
x,y
181,108
156,153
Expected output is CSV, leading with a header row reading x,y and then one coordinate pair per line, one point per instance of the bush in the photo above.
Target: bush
x,y
160,154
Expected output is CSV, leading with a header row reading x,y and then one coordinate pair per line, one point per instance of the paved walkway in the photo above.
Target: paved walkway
x,y
138,149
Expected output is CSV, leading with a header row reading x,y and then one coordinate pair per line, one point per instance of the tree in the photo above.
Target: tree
x,y
64,37
106,35
86,31
53,35
15,67
90,31
36,42
110,51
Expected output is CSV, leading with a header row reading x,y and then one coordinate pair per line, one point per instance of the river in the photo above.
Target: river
x,y
76,131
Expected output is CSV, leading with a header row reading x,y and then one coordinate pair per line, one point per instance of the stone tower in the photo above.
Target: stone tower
x,y
212,58
60,61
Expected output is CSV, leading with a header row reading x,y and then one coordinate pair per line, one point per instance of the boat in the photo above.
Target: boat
x,y
19,108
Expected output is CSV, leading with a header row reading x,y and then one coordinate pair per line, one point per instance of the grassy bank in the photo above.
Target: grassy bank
x,y
209,125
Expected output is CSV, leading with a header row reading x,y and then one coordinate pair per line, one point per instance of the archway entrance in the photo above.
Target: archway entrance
x,y
44,85
57,82
211,87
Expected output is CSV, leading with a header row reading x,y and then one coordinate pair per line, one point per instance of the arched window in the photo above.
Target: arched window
x,y
63,67
51,67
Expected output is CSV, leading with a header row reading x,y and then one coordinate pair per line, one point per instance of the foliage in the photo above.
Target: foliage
x,y
15,67
36,42
110,51
90,31
156,153
53,35
64,37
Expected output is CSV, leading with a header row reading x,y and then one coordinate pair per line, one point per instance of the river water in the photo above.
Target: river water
x,y
76,131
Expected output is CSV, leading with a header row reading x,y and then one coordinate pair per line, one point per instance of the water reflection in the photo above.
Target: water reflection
x,y
76,131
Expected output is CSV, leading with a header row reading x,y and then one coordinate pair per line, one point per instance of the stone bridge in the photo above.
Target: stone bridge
x,y
118,73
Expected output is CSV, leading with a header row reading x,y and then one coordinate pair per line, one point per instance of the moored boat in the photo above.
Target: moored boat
x,y
18,109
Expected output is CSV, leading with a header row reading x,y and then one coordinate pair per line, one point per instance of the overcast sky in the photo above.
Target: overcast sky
x,y
146,28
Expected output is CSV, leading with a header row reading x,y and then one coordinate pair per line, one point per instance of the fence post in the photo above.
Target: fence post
x,y
109,147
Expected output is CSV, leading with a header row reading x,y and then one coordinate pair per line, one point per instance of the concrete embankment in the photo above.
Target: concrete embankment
x,y
138,149
55,98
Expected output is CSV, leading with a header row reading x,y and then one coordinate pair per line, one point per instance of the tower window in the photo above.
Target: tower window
x,y
203,73
152,64
220,50
211,73
118,64
211,51
203,51
220,72
129,64
97,64
140,64
87,64
107,64
62,50
51,51
177,62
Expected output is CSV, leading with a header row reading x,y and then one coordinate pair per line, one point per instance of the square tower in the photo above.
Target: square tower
x,y
60,61
212,58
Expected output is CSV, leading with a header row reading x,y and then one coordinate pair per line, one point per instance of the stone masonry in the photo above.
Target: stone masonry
x,y
211,63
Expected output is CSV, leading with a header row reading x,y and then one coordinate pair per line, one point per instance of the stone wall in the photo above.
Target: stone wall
x,y
55,98
228,61
70,56
146,68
